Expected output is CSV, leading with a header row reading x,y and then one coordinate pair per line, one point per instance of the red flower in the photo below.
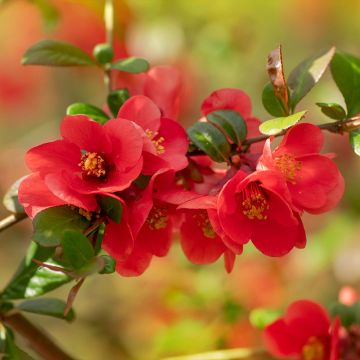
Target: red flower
x,y
236,100
150,220
161,84
314,181
90,159
251,207
304,333
166,141
199,239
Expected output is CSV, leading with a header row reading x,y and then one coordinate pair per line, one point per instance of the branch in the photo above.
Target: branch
x,y
11,220
38,340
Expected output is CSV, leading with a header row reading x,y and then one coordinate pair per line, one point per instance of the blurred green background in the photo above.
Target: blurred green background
x,y
176,307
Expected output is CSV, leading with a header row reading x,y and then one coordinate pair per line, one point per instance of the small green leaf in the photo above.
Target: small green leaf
x,y
110,264
210,140
56,53
11,200
303,78
345,313
132,65
116,99
354,137
275,126
103,53
231,122
99,238
332,110
112,207
91,111
30,280
50,224
77,250
49,307
271,103
50,14
345,70
260,318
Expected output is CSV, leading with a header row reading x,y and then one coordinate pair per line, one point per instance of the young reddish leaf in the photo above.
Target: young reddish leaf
x,y
275,70
332,110
303,78
275,126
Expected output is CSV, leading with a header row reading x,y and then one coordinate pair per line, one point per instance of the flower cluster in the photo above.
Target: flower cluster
x,y
141,159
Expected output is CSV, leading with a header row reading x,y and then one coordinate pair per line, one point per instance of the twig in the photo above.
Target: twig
x,y
38,340
11,220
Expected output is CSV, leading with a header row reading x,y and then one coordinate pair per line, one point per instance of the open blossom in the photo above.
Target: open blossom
x,y
162,84
165,141
314,181
199,239
255,207
304,333
90,159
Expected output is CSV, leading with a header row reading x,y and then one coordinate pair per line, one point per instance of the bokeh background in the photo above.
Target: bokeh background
x,y
176,307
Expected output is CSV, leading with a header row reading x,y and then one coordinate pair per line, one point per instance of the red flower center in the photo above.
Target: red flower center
x,y
313,350
93,164
202,220
157,218
158,142
287,164
253,202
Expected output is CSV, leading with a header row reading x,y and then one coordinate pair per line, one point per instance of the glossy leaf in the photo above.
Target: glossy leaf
x,y
103,53
332,110
109,264
271,103
11,200
303,78
210,140
132,65
230,122
48,307
112,207
50,224
30,280
345,70
354,137
275,70
275,126
77,250
91,111
116,99
56,53
260,318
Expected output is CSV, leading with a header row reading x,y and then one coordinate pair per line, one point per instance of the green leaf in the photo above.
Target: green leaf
x,y
303,78
231,122
271,103
93,266
50,14
56,53
210,140
77,250
354,137
112,207
275,126
91,111
132,65
49,307
116,99
103,53
50,224
30,280
110,264
345,70
332,110
11,200
260,318
345,313
99,238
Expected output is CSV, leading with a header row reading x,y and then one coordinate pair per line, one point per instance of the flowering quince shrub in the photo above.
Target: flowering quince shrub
x,y
121,180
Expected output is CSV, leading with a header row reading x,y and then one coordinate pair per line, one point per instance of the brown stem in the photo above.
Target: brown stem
x,y
38,340
11,220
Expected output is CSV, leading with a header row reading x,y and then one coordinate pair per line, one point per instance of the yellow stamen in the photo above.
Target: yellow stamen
x,y
93,165
287,164
157,218
160,149
202,220
313,350
254,203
